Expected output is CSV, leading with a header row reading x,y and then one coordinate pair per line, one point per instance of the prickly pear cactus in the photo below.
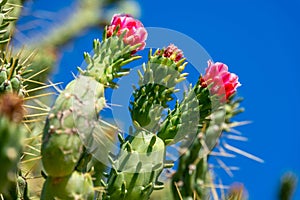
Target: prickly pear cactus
x,y
62,146
74,129
11,135
161,74
109,57
10,151
79,104
136,168
74,186
5,19
11,75
134,174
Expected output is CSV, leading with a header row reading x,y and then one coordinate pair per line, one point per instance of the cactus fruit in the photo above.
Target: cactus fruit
x,y
11,134
77,186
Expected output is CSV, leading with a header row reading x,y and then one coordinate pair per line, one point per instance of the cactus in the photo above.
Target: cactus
x,y
61,123
136,169
157,85
62,146
11,134
11,74
134,174
74,186
287,186
5,19
193,174
74,130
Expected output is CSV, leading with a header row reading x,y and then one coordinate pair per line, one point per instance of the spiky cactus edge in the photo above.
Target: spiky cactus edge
x,y
135,171
62,147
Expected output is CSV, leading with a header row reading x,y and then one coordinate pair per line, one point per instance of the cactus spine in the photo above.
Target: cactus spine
x,y
11,135
62,146
135,170
71,169
193,174
5,20
134,174
157,85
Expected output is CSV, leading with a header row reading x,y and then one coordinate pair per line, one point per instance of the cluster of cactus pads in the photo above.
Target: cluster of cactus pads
x,y
70,167
131,162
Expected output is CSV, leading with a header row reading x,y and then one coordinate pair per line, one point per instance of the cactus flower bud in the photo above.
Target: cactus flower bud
x,y
222,82
135,31
173,52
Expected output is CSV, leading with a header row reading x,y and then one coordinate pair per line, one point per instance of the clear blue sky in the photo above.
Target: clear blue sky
x,y
259,40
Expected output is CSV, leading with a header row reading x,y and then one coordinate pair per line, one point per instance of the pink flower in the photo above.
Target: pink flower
x,y
173,53
135,31
221,81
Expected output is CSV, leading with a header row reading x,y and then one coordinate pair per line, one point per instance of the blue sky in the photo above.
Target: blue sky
x,y
259,41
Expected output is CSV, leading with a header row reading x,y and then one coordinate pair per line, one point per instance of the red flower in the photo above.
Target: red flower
x,y
219,80
135,31
173,53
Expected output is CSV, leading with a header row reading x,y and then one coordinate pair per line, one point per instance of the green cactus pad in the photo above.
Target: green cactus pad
x,y
77,186
10,151
11,76
5,20
157,85
184,118
109,57
78,104
61,153
135,172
